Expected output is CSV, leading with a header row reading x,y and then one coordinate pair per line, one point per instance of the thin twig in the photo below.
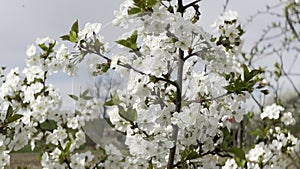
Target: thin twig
x,y
225,5
284,73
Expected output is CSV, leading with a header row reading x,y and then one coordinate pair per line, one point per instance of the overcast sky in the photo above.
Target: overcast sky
x,y
22,21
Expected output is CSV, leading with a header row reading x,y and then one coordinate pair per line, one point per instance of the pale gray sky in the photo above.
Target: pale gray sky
x,y
22,21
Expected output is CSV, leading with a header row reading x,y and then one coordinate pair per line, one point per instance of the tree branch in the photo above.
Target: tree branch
x,y
172,153
127,66
190,4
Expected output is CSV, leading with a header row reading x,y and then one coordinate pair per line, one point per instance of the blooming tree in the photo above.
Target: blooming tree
x,y
186,91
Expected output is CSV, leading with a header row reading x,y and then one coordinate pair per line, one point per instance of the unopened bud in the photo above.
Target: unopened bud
x,y
262,83
265,91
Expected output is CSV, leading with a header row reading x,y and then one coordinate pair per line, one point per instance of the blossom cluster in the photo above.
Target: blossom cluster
x,y
230,31
146,110
274,154
276,112
31,108
184,94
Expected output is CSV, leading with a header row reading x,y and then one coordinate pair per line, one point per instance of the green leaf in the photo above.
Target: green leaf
x,y
240,162
247,75
277,73
13,118
113,101
230,88
150,166
129,115
107,119
238,152
277,65
133,37
192,155
73,97
9,112
75,27
133,11
228,138
105,68
73,36
65,37
150,3
130,42
48,125
256,132
43,47
68,146
139,3
124,42
250,114
51,47
84,93
188,155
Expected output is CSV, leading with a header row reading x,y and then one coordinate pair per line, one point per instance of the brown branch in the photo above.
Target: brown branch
x,y
172,153
127,66
258,104
209,99
190,4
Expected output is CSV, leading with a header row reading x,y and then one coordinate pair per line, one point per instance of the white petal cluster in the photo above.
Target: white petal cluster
x,y
156,114
39,105
271,111
230,31
230,164
89,30
274,154
79,160
4,159
90,36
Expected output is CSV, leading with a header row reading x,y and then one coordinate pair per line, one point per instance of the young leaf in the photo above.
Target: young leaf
x,y
48,125
113,101
84,93
132,11
238,152
68,146
133,37
150,3
9,112
124,42
43,47
73,97
247,76
192,155
13,118
75,27
150,166
65,37
130,42
73,36
129,115
240,162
